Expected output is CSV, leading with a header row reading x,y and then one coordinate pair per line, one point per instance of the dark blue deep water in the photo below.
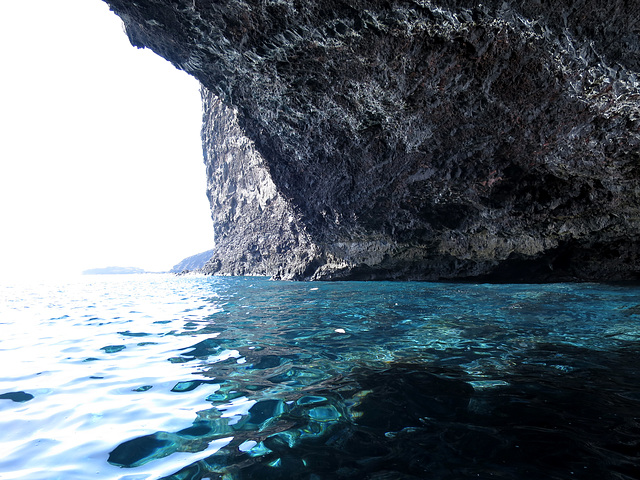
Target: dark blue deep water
x,y
162,377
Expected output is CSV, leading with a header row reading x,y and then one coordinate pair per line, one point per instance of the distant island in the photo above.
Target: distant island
x,y
194,262
113,271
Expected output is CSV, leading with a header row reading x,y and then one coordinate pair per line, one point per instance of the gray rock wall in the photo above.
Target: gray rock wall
x,y
257,232
414,139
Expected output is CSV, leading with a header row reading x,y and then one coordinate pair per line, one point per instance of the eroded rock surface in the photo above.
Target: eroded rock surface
x,y
257,231
414,139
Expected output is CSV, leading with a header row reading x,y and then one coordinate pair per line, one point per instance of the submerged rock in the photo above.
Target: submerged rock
x,y
414,139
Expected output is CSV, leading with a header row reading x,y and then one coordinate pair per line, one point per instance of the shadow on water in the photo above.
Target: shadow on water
x,y
560,412
18,397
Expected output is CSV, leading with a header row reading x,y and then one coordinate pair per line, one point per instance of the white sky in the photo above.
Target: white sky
x,y
100,154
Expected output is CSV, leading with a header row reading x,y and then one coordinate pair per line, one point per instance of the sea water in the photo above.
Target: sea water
x,y
165,377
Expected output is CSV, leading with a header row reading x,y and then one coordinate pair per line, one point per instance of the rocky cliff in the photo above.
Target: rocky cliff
x,y
192,263
414,139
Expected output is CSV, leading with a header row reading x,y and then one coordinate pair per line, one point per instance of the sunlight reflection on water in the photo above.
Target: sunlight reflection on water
x,y
141,376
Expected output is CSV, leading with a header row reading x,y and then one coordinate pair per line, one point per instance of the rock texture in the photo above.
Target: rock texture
x,y
414,139
257,231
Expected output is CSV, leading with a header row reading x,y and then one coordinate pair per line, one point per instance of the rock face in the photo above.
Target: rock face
x,y
414,139
257,231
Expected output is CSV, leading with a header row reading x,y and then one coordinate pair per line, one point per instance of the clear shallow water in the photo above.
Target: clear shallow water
x,y
153,376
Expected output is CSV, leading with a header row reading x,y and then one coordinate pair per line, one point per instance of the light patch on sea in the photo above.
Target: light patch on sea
x,y
82,350
146,376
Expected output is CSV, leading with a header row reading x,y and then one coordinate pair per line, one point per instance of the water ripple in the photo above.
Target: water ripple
x,y
155,376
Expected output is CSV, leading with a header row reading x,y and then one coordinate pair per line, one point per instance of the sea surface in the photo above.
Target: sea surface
x,y
164,377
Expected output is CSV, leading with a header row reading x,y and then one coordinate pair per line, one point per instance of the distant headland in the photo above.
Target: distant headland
x,y
192,263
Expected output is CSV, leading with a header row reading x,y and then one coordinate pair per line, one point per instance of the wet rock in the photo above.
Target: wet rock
x,y
414,139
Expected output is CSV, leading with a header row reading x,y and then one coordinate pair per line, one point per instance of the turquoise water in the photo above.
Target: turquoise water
x,y
154,376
